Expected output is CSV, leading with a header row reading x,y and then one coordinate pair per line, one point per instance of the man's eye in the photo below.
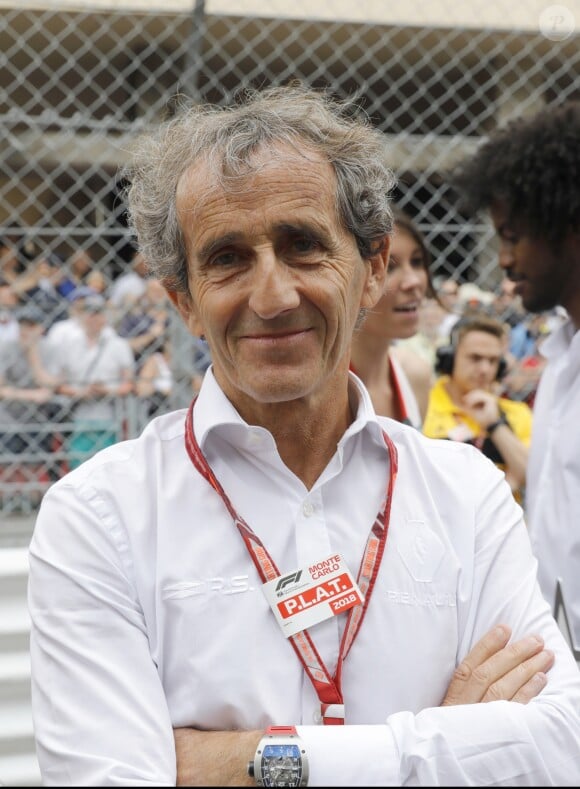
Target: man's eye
x,y
509,237
304,244
224,259
417,262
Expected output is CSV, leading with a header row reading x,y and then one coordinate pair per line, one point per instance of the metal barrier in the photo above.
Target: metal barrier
x,y
52,448
26,475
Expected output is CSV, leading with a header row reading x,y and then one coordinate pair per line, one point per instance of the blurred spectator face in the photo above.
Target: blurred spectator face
x,y
396,314
80,263
133,304
75,309
448,294
506,298
476,361
155,293
46,268
8,298
93,315
30,332
9,264
96,280
77,299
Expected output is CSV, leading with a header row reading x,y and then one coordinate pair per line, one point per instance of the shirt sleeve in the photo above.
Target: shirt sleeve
x,y
494,743
99,711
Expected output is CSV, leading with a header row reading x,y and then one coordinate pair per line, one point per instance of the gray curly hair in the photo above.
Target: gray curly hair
x,y
226,137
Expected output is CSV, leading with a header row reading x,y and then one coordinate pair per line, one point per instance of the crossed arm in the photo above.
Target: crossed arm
x,y
493,670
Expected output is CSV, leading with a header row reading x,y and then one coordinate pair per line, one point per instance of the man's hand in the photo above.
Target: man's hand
x,y
482,406
495,670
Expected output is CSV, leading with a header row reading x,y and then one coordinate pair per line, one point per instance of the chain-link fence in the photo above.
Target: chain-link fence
x,y
79,79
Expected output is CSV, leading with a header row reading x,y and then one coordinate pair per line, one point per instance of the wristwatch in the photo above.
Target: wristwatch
x,y
501,421
280,759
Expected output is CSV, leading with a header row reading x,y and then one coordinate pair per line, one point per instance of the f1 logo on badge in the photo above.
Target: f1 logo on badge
x,y
288,579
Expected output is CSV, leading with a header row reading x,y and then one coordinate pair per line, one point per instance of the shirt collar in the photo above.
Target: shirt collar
x,y
213,412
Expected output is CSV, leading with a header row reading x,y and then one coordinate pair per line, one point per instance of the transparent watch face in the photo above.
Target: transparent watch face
x,y
281,765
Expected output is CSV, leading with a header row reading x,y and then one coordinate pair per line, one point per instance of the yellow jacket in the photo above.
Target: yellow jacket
x,y
444,419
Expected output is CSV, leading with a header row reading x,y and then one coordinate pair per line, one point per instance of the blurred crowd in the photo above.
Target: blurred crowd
x,y
74,344
524,331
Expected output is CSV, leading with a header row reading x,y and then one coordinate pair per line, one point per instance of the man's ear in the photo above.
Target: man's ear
x,y
185,307
376,274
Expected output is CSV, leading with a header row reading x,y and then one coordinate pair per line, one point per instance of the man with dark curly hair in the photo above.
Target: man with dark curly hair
x,y
527,175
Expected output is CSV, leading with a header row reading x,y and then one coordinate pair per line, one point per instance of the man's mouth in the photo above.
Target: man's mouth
x,y
274,335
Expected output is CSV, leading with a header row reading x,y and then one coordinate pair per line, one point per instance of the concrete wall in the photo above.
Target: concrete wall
x,y
18,764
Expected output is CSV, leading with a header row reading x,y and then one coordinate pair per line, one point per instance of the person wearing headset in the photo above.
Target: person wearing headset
x,y
465,405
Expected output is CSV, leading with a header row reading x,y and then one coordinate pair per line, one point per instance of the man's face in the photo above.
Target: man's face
x,y
93,321
30,333
8,297
276,283
476,361
544,277
448,294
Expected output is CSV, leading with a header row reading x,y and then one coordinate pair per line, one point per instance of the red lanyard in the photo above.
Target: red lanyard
x,y
327,688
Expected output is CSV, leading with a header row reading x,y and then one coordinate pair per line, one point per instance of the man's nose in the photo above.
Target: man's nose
x,y
273,289
506,254
488,367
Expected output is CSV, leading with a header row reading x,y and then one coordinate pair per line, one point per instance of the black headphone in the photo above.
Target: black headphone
x,y
445,355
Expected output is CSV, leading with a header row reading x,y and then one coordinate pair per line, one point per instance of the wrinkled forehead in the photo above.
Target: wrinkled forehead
x,y
266,171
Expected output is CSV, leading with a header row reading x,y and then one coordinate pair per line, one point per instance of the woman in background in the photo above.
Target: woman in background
x,y
398,379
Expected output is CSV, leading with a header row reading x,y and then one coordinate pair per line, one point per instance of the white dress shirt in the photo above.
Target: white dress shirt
x,y
147,611
553,475
68,330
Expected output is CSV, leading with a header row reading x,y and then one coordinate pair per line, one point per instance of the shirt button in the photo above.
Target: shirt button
x,y
307,508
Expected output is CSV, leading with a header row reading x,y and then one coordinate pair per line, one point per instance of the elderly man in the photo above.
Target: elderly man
x,y
278,556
